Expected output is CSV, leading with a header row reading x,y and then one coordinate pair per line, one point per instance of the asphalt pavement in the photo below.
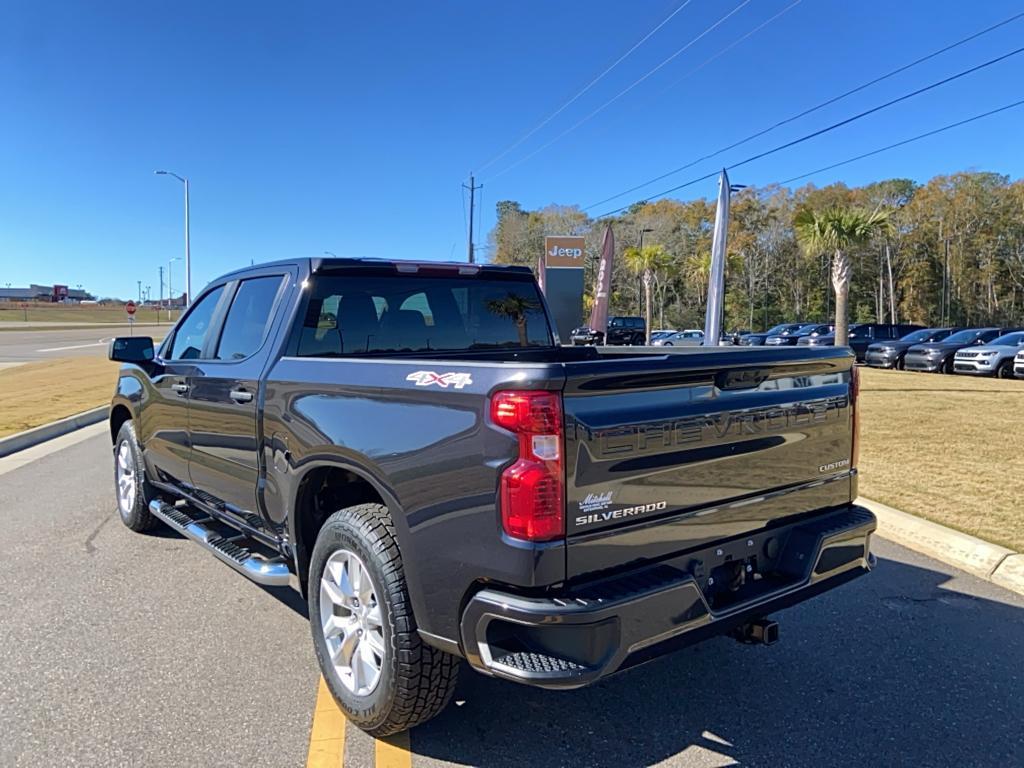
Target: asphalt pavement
x,y
128,649
21,346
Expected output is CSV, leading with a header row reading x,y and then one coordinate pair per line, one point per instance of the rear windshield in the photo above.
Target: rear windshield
x,y
366,314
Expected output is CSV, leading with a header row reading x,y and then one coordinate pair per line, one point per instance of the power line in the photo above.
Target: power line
x,y
731,45
621,93
826,129
905,141
815,108
583,90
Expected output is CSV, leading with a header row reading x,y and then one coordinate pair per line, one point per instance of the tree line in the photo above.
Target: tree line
x,y
951,252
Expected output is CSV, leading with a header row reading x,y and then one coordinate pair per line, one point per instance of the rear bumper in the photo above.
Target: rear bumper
x,y
591,631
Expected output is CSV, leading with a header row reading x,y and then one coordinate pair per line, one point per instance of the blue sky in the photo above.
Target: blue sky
x,y
350,127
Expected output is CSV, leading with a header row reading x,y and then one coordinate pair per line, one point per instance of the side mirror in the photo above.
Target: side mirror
x,y
131,349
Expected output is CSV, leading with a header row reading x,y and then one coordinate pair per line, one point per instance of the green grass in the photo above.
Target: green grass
x,y
946,448
38,393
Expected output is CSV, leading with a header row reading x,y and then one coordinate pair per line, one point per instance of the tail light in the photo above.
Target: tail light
x,y
531,491
854,394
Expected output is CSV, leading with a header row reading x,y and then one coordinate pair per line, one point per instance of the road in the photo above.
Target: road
x,y
127,649
20,346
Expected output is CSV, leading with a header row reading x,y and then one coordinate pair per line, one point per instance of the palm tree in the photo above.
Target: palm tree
x,y
837,230
646,262
515,307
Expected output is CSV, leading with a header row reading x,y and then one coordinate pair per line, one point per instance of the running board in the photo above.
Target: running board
x,y
271,573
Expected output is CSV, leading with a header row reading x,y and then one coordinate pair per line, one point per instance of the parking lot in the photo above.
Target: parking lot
x,y
125,649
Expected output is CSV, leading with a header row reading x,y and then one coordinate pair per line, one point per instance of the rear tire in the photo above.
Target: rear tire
x,y
133,492
384,677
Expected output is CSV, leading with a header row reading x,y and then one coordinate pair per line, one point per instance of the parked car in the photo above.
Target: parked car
x,y
937,356
626,330
463,488
732,338
662,333
890,354
861,335
688,338
992,359
790,338
1018,365
585,335
758,339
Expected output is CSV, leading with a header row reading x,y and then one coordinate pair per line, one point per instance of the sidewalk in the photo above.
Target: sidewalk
x,y
991,562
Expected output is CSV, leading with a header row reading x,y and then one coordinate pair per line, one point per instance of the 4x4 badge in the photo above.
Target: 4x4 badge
x,y
443,380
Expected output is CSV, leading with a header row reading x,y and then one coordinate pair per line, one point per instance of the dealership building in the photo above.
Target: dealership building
x,y
45,293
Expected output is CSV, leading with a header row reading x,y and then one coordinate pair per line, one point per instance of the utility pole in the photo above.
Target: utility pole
x,y
161,291
473,187
140,290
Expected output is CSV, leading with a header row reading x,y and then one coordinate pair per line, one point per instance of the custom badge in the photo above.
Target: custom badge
x,y
454,379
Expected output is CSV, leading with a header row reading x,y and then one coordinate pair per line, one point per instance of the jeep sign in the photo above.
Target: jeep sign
x,y
563,252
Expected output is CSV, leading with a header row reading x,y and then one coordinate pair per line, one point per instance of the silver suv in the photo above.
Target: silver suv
x,y
1018,364
992,359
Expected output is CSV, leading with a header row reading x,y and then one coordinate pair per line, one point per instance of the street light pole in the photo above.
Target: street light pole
x,y
188,253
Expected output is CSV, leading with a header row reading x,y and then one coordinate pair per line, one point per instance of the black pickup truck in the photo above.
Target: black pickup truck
x,y
410,446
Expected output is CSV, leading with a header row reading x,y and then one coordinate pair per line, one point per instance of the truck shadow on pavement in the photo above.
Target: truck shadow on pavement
x,y
892,669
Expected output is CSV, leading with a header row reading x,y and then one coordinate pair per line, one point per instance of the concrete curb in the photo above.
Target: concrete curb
x,y
30,437
988,561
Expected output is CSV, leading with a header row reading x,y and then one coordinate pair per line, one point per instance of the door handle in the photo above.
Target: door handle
x,y
240,396
181,389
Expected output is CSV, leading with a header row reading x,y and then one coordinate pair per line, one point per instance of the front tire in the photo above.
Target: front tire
x,y
1005,370
381,673
133,492
947,365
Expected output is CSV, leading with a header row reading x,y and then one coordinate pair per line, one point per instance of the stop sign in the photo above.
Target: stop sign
x,y
130,307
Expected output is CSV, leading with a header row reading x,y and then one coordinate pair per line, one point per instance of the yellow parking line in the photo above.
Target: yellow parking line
x,y
327,735
393,752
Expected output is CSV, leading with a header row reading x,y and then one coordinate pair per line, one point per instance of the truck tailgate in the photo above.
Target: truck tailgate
x,y
668,453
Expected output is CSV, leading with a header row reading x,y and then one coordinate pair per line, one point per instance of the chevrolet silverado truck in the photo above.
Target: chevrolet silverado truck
x,y
409,445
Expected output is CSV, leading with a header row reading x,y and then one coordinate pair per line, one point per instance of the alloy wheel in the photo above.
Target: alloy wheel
x,y
350,617
126,484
